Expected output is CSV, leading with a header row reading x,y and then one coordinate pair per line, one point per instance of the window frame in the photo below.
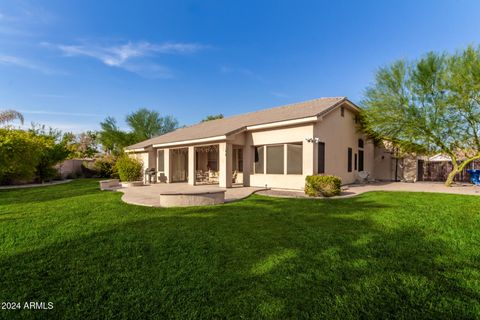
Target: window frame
x,y
361,160
256,158
287,158
280,147
349,160
162,151
321,156
361,143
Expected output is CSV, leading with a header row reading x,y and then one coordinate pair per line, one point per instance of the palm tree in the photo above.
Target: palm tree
x,y
10,115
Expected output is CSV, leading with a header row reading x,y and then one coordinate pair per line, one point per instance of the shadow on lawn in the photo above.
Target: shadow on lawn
x,y
254,260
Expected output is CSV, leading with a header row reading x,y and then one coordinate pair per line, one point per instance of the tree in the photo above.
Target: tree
x,y
212,117
429,106
144,124
52,152
54,149
25,155
112,138
82,145
10,115
20,153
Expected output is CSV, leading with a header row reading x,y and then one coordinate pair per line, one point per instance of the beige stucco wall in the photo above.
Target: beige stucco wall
x,y
143,157
281,136
383,163
340,133
148,158
337,132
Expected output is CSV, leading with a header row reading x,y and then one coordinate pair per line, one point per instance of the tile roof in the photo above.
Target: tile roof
x,y
231,124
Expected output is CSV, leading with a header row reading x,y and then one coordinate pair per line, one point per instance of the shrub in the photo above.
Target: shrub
x,y
20,153
327,186
129,169
26,155
106,167
52,153
89,170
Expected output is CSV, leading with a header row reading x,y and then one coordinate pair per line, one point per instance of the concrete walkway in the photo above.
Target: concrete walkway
x,y
356,189
149,195
32,185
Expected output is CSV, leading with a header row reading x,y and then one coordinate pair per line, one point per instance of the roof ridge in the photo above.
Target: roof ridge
x,y
339,98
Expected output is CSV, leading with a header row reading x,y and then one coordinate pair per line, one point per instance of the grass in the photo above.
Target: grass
x,y
379,255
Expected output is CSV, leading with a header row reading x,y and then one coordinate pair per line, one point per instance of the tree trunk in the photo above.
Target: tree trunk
x,y
452,175
458,168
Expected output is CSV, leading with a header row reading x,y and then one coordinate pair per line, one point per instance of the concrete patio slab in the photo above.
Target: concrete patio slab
x,y
356,189
149,195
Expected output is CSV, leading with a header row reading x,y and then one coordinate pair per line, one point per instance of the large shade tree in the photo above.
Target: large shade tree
x,y
112,137
146,124
431,105
143,123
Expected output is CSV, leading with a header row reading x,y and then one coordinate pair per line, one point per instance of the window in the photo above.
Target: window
x,y
360,143
161,160
321,158
294,159
349,160
342,111
212,162
360,160
275,159
360,155
240,160
355,163
259,161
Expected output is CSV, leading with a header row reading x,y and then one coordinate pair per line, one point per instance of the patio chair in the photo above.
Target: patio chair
x,y
363,176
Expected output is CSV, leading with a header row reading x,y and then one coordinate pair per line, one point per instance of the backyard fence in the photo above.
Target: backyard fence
x,y
439,170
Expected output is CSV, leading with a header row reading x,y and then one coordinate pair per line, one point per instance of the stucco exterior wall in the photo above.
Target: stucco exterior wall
x,y
384,165
152,159
142,157
337,132
340,133
281,136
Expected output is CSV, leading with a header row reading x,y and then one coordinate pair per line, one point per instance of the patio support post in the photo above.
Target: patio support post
x,y
309,158
191,166
225,152
247,159
166,163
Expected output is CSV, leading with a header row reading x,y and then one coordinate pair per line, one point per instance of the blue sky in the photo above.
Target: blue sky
x,y
69,64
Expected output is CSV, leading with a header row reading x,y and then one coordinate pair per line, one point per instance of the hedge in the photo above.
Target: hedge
x,y
20,153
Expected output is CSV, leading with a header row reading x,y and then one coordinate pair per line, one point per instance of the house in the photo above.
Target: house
x,y
277,147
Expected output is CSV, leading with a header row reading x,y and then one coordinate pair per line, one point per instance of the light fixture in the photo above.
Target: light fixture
x,y
313,140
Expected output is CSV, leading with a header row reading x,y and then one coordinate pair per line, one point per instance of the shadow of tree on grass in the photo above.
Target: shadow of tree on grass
x,y
254,259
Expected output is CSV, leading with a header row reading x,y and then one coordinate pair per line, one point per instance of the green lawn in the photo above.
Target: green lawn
x,y
379,255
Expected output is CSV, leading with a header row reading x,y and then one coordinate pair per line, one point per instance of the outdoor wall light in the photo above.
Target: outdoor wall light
x,y
313,140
